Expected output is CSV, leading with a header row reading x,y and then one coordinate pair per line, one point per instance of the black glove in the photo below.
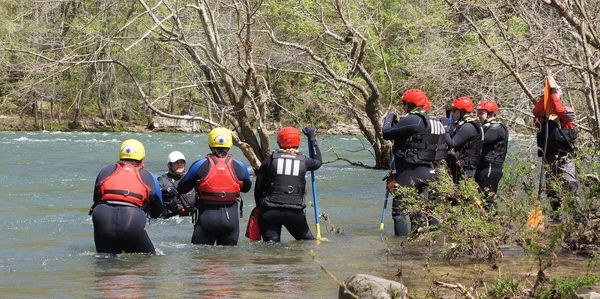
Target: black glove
x,y
169,192
310,133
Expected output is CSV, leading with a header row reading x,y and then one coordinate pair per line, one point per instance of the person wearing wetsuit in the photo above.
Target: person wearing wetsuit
x,y
123,194
417,142
280,186
218,180
557,135
493,153
466,139
173,202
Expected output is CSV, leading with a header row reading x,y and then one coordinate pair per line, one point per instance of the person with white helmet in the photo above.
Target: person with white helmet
x,y
218,180
175,203
124,192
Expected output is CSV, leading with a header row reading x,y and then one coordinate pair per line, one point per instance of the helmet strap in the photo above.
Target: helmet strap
x,y
220,151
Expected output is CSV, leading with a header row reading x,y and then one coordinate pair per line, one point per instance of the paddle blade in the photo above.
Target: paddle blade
x,y
535,218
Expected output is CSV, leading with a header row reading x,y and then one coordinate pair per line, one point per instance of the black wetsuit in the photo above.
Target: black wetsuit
x,y
173,202
217,222
119,226
467,141
489,170
279,209
410,169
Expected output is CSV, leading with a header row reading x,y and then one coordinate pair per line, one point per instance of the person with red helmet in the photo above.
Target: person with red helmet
x,y
218,180
124,192
417,145
555,141
466,138
493,153
280,186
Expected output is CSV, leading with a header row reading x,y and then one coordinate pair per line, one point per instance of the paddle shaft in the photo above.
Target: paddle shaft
x,y
314,192
383,212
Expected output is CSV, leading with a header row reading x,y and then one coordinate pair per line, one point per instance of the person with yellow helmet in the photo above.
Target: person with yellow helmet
x,y
124,192
218,180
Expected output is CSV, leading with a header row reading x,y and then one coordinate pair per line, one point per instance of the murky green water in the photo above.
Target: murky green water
x,y
47,247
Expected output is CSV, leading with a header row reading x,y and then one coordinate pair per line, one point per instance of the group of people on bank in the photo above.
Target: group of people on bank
x,y
472,147
209,191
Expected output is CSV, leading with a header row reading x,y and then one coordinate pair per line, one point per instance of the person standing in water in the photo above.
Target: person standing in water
x,y
175,203
280,186
218,180
123,193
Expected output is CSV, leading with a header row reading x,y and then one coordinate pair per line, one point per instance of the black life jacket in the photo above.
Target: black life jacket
x,y
285,187
494,153
560,141
469,154
426,147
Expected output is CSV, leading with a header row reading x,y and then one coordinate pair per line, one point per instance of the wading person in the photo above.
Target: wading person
x,y
173,202
280,186
466,139
123,194
493,153
555,143
218,180
417,145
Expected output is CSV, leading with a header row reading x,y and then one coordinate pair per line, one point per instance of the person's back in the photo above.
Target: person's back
x,y
123,194
280,186
218,180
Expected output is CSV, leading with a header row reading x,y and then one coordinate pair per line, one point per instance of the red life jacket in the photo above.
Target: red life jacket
x,y
124,184
221,183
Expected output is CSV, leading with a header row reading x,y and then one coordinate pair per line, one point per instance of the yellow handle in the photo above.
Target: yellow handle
x,y
318,231
381,226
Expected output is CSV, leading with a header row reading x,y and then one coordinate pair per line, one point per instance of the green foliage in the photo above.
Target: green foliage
x,y
504,287
565,287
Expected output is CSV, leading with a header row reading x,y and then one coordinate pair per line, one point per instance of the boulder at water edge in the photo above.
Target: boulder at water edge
x,y
369,286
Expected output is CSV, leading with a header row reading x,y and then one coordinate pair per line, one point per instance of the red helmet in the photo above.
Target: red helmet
x,y
488,105
417,97
288,137
463,103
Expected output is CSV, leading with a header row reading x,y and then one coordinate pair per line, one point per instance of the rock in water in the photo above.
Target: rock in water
x,y
369,286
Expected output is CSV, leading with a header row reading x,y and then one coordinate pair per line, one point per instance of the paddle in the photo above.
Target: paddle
x,y
314,193
383,212
535,217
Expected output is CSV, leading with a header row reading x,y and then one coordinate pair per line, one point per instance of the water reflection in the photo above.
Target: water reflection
x,y
120,276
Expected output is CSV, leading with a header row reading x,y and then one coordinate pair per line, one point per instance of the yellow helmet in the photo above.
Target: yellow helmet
x,y
132,149
220,137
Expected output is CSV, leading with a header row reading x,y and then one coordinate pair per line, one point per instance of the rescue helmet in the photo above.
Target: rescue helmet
x,y
463,103
220,137
488,105
132,149
416,97
288,137
175,156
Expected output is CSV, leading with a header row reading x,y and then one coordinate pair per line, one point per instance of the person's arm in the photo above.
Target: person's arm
x,y
405,127
261,174
196,172
465,132
241,172
155,204
314,159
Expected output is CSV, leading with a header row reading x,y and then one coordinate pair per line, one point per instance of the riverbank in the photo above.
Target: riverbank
x,y
156,124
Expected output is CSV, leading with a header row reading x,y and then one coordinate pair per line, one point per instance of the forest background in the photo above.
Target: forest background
x,y
256,65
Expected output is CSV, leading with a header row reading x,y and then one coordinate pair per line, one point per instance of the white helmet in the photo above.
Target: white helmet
x,y
176,156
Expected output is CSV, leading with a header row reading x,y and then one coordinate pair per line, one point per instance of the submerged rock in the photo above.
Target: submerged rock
x,y
369,286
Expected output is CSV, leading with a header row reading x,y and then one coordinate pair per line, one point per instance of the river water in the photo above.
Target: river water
x,y
47,248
